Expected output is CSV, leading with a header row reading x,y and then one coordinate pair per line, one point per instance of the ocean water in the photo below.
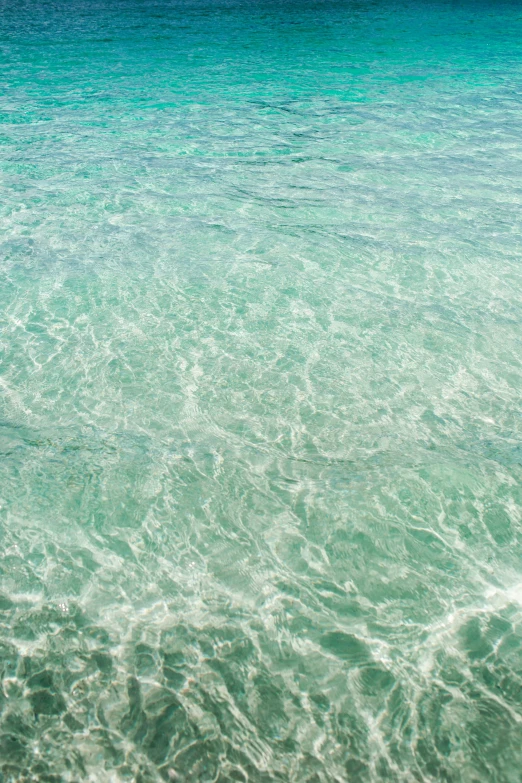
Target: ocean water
x,y
261,372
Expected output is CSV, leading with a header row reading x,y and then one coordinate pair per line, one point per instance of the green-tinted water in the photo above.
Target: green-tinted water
x,y
261,370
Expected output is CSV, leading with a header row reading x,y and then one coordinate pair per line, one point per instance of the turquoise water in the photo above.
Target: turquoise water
x,y
260,476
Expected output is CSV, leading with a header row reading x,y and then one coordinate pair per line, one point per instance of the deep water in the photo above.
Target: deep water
x,y
261,372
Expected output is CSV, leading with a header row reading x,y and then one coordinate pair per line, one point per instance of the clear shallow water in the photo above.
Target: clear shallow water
x,y
261,367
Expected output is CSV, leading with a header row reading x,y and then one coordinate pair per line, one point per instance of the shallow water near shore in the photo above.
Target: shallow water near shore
x,y
261,362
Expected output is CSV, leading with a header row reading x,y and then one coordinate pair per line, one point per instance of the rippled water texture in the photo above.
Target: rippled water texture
x,y
260,471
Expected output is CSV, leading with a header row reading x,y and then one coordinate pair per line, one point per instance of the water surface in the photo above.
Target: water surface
x,y
260,475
